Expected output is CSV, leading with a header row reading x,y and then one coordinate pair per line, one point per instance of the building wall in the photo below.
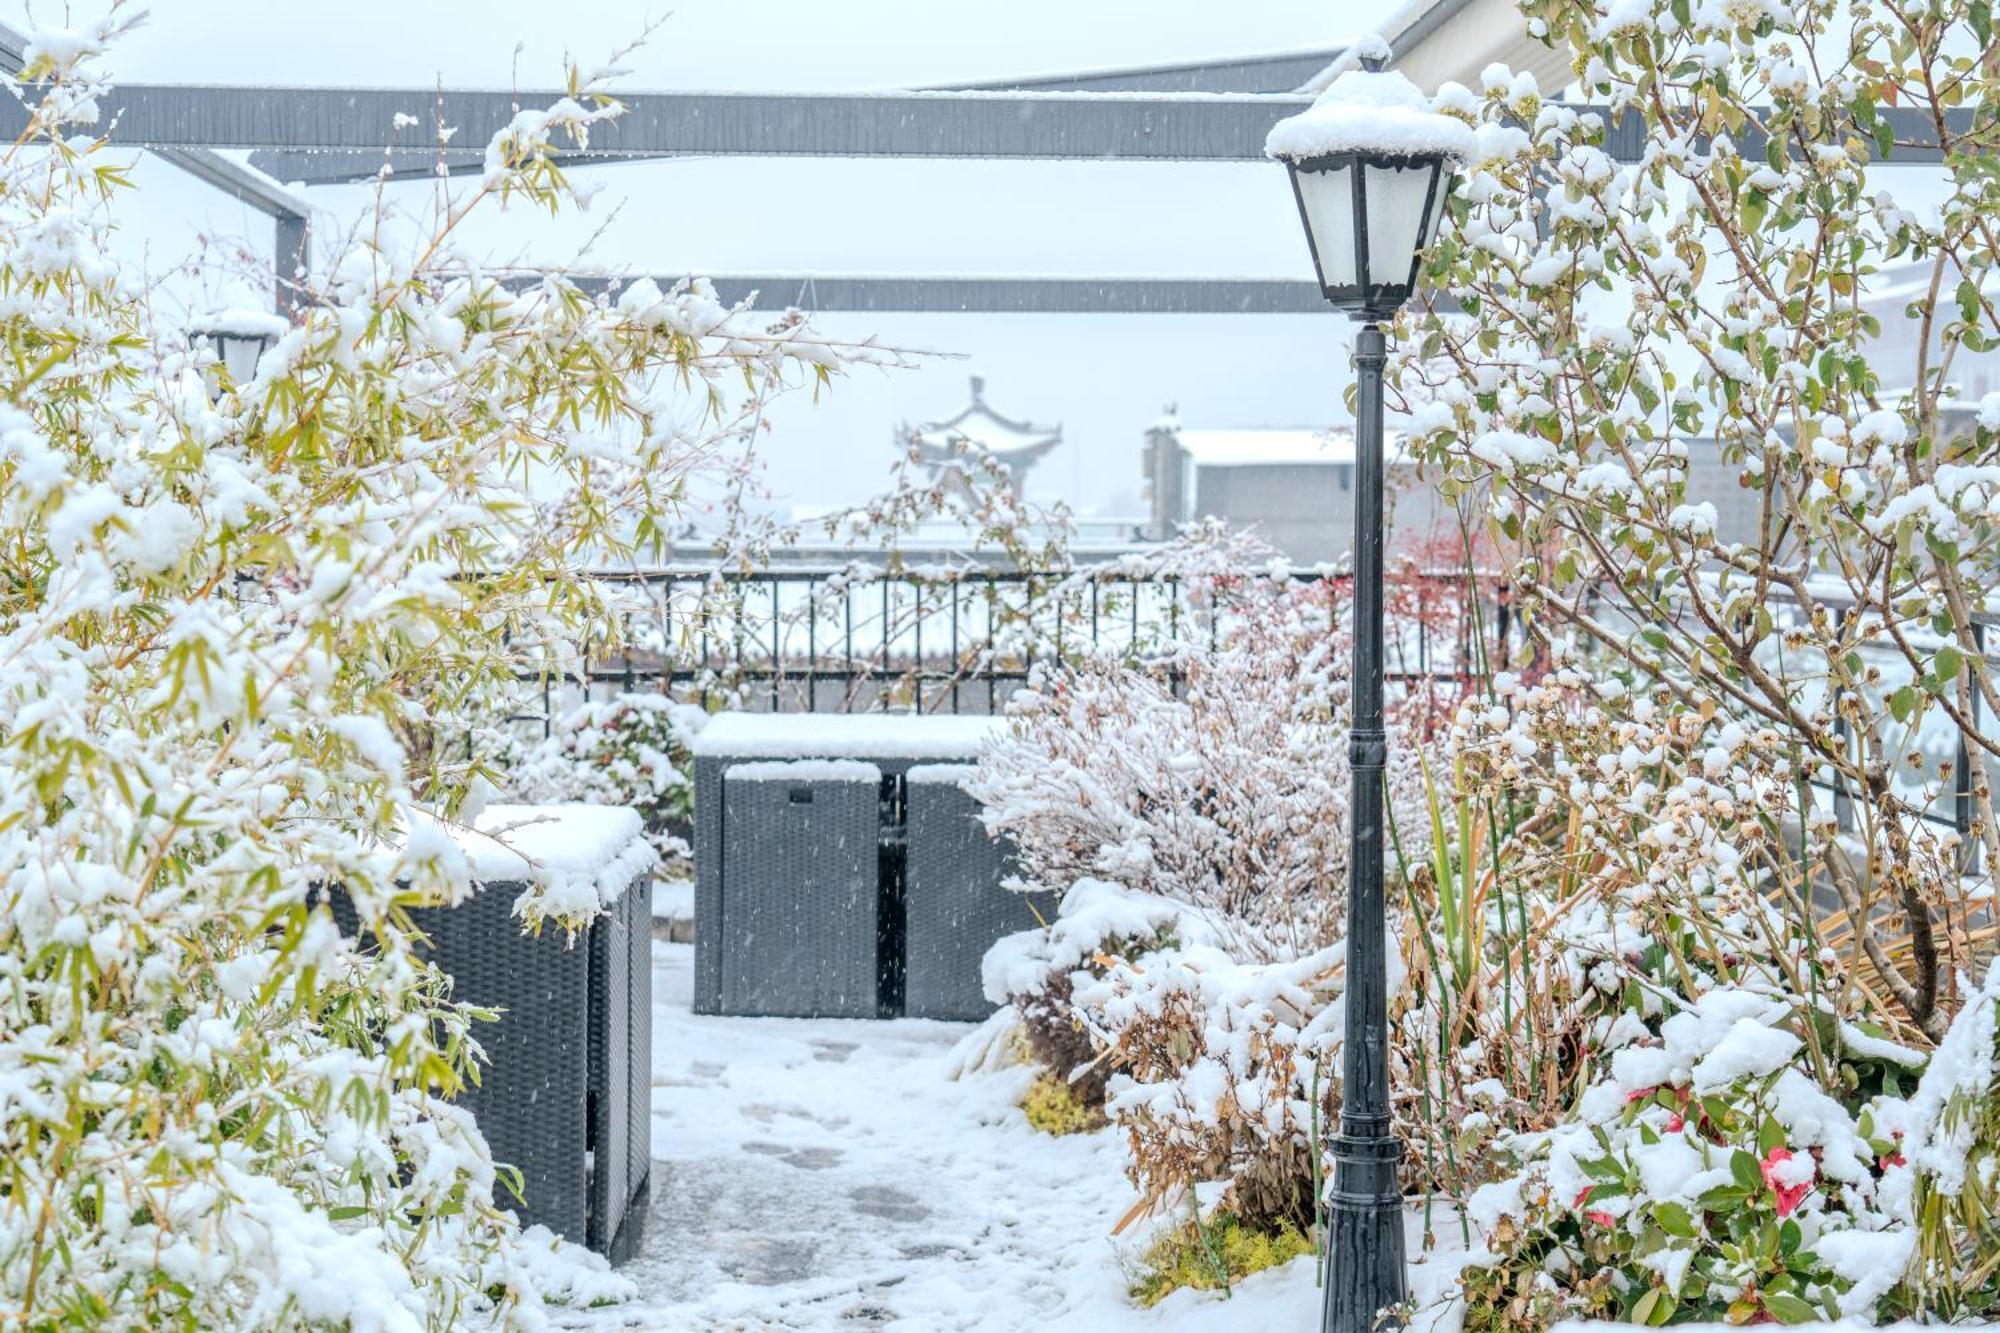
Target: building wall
x,y
1166,483
1710,479
1306,510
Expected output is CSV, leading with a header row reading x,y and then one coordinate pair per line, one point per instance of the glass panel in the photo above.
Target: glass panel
x,y
1396,196
1437,209
1328,199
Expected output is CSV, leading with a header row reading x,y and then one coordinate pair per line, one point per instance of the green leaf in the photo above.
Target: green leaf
x,y
1789,1309
1720,1198
1748,1174
1902,704
1948,663
1674,1220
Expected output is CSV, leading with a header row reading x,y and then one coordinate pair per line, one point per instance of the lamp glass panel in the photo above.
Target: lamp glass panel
x,y
1432,222
1396,196
1328,197
240,354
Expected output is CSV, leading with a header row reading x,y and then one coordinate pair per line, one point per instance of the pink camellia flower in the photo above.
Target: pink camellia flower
x,y
1676,1123
1789,1183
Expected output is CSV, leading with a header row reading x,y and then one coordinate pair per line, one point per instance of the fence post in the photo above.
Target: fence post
x,y
812,645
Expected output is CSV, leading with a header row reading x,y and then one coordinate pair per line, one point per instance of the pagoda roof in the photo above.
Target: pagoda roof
x,y
1007,439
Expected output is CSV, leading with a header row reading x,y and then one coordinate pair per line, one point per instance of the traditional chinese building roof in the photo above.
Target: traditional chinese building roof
x,y
1013,443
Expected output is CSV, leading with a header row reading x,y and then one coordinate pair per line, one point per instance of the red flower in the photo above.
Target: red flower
x,y
1640,1094
1789,1196
1676,1123
1597,1215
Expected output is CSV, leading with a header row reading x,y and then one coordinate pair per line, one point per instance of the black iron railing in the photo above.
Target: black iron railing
x,y
858,640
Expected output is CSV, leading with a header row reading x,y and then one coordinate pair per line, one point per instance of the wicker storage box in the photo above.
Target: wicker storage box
x,y
745,887
954,907
565,1095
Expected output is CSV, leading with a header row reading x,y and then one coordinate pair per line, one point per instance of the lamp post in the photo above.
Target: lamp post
x,y
1371,167
239,339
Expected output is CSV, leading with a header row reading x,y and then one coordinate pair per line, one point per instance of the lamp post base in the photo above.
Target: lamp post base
x,y
1364,1261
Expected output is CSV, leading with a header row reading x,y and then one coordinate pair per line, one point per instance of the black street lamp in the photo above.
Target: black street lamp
x,y
1371,166
239,339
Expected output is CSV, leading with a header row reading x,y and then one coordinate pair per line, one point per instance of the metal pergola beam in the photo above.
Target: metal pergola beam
x,y
1284,72
290,225
949,294
1143,126
296,124
250,187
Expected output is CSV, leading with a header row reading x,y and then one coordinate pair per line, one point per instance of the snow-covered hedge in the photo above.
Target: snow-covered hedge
x,y
1713,1175
1229,794
631,750
244,629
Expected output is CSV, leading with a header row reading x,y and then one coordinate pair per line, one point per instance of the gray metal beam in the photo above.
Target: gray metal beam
x,y
250,186
289,219
1001,295
1282,73
324,134
1143,126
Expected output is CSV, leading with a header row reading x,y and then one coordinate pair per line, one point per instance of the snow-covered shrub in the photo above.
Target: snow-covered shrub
x,y
1723,1169
1626,329
1230,796
1035,972
1710,1175
1218,1073
1205,1255
631,750
228,626
1224,1074
1952,1133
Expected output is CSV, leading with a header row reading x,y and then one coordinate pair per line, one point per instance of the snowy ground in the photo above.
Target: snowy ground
x,y
829,1174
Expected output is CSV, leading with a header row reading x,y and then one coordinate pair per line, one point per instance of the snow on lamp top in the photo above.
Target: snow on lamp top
x,y
1370,111
1371,165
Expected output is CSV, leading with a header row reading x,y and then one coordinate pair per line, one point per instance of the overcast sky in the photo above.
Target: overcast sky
x,y
1102,378
760,44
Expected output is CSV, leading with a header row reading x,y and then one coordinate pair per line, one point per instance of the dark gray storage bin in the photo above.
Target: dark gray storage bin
x,y
620,1042
954,907
565,1093
891,742
802,912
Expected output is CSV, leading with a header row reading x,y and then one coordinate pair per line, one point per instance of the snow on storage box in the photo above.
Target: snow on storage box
x,y
870,736
575,859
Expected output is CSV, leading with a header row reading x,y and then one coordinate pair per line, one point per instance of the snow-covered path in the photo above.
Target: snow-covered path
x,y
829,1174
